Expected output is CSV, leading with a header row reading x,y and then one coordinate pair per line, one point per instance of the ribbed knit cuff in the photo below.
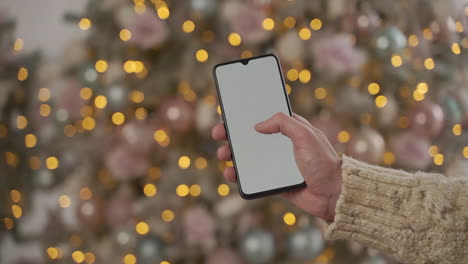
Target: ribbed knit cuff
x,y
369,207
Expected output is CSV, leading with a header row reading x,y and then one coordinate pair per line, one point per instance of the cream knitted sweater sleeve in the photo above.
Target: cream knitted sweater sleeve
x,y
417,218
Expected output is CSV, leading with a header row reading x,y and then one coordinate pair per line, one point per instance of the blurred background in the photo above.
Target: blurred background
x,y
106,110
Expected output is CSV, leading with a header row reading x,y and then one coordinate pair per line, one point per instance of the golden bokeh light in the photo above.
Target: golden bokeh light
x,y
90,258
141,113
305,33
413,40
44,110
343,136
43,94
418,95
15,196
163,12
268,24
100,101
118,118
142,228
422,87
52,163
182,190
101,66
380,101
188,26
64,201
88,123
292,75
22,74
234,39
8,222
396,60
223,189
86,194
201,55
125,34
316,24
150,190
184,162
167,216
465,152
439,159
289,218
246,54
304,76
289,22
84,24
21,122
16,211
456,48
373,88
18,45
429,63
320,93
389,158
457,129
78,256
195,190
130,259
30,140
201,163
52,252
86,93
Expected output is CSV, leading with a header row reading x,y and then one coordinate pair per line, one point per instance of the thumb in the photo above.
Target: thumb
x,y
284,124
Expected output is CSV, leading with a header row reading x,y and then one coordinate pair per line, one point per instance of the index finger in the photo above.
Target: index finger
x,y
219,132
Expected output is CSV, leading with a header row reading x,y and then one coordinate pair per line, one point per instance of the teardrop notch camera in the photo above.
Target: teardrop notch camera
x,y
245,62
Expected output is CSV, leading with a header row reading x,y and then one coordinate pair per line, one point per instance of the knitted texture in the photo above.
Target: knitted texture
x,y
416,218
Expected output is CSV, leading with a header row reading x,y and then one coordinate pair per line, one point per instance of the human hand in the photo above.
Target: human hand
x,y
315,157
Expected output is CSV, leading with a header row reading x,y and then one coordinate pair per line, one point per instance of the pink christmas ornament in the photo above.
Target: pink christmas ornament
x,y
336,53
68,99
225,256
178,113
290,47
246,20
138,136
125,163
90,213
148,31
199,227
366,145
119,208
410,150
426,119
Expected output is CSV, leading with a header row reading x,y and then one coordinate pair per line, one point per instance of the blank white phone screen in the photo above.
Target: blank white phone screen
x,y
250,94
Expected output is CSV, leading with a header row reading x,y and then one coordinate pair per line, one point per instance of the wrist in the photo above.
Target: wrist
x,y
335,193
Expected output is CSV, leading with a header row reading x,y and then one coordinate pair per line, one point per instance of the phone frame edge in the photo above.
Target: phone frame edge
x,y
267,192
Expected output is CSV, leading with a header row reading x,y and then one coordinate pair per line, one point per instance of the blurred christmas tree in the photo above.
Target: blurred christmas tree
x,y
111,161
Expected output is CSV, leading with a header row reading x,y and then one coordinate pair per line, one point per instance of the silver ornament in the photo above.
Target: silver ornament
x,y
305,244
389,40
149,250
258,246
204,7
117,97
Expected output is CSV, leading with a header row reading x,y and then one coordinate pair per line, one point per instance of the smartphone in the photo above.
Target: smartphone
x,y
250,91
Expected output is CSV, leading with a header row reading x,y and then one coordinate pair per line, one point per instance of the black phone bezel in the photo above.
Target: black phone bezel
x,y
239,184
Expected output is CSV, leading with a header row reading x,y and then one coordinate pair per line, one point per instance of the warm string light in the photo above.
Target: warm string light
x,y
167,216
150,190
22,74
184,162
268,24
201,55
316,24
373,88
125,34
18,45
188,26
223,189
234,39
343,136
289,218
182,190
142,228
84,24
201,163
305,33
